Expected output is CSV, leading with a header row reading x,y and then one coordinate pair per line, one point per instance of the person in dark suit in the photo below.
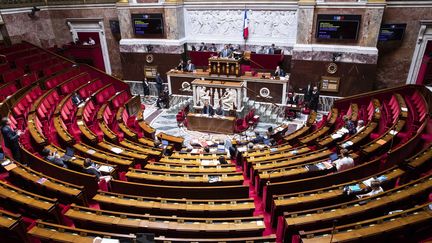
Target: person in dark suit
x,y
226,52
146,88
181,66
190,67
163,99
53,157
222,160
307,94
159,83
11,138
207,109
90,169
213,47
202,47
314,99
279,72
258,138
76,99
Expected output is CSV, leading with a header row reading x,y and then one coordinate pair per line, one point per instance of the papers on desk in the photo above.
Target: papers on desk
x,y
80,123
8,165
116,150
91,151
41,180
369,181
347,144
195,151
324,165
81,105
242,149
381,142
404,109
213,179
221,148
393,132
105,240
335,136
294,152
106,168
209,162
273,149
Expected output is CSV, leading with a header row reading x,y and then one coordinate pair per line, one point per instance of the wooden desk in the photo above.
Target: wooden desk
x,y
215,124
376,205
176,141
166,225
171,206
12,227
387,228
51,187
61,233
190,192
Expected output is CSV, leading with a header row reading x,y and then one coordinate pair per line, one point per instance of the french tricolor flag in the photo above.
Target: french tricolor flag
x,y
245,26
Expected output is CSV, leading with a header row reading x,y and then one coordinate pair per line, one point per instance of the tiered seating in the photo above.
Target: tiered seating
x,y
188,197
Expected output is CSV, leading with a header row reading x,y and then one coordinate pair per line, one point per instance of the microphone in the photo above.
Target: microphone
x,y
333,230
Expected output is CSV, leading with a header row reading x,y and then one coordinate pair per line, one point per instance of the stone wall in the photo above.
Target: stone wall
x,y
394,64
37,30
63,35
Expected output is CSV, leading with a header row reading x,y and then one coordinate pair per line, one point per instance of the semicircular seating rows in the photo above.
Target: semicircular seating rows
x,y
281,193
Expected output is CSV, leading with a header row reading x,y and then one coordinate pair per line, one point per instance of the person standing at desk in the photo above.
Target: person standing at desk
x,y
314,99
11,138
146,88
190,67
279,72
207,109
226,52
159,83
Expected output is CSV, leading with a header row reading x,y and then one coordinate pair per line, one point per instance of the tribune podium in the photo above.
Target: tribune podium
x,y
224,66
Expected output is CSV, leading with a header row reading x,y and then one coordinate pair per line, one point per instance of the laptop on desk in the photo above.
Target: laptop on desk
x,y
334,156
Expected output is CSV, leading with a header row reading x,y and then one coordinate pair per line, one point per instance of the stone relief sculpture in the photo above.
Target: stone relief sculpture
x,y
229,99
229,23
216,99
203,94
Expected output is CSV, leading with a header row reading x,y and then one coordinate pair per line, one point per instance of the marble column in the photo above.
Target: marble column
x,y
305,16
174,22
371,26
125,20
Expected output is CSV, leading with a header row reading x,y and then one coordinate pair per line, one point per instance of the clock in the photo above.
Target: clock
x,y
149,58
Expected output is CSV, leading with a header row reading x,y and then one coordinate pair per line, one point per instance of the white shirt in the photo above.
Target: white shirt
x,y
344,163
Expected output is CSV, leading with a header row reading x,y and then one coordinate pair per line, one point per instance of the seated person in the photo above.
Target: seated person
x,y
212,47
269,132
89,168
375,188
202,47
258,138
76,99
271,49
190,67
206,150
222,160
181,66
53,157
345,162
233,151
261,50
360,125
207,109
279,72
163,99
